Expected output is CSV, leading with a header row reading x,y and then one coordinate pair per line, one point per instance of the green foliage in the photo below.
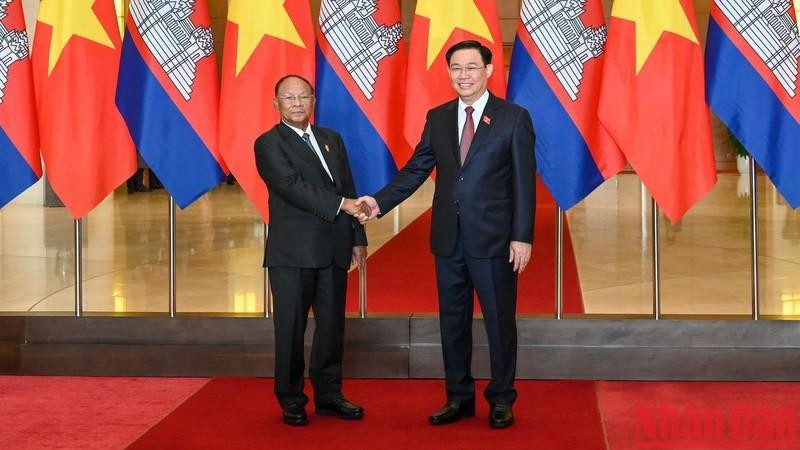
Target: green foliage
x,y
735,145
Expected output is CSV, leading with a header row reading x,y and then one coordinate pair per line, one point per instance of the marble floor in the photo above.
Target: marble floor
x,y
705,259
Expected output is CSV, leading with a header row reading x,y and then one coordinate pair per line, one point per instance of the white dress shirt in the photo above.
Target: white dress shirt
x,y
479,106
315,145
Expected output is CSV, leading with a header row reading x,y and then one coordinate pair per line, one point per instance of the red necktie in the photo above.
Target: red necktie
x,y
466,134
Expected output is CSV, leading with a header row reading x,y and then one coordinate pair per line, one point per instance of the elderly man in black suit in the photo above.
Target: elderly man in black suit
x,y
482,226
313,240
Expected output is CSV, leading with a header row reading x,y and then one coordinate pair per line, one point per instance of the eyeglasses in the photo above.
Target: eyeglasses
x,y
469,70
290,99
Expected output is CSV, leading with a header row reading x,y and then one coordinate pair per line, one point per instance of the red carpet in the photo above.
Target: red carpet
x,y
701,415
401,274
243,414
85,413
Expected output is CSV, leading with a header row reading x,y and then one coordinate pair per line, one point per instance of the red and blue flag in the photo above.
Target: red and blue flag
x,y
168,93
361,69
752,52
20,164
556,68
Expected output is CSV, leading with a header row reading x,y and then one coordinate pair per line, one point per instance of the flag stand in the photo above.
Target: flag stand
x,y
78,269
656,262
559,263
267,292
756,313
172,257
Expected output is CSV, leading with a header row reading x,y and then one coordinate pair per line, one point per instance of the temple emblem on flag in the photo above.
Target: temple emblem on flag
x,y
357,39
13,47
172,38
565,42
770,30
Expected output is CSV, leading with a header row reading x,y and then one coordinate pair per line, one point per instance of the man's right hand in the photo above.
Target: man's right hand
x,y
356,209
372,206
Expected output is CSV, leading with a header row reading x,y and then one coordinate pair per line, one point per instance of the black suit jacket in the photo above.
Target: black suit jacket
x,y
493,195
305,229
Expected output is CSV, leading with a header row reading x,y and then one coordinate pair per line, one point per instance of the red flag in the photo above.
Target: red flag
x,y
264,40
438,24
653,100
20,165
86,147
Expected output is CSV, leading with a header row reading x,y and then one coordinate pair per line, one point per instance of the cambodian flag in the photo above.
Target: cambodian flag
x,y
556,68
168,93
361,63
20,164
752,54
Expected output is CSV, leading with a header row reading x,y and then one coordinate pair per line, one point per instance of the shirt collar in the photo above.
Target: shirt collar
x,y
298,130
479,104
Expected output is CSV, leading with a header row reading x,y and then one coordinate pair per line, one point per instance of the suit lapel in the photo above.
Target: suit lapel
x,y
326,147
484,127
301,149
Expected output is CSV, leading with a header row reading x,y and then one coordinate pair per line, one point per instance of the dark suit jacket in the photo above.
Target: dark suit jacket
x,y
493,195
305,230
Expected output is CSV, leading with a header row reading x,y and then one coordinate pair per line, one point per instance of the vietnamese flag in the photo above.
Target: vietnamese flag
x,y
86,147
20,165
438,24
653,100
264,41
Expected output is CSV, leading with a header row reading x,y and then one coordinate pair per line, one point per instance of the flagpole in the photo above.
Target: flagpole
x,y
559,263
78,269
756,312
172,301
362,290
267,292
656,262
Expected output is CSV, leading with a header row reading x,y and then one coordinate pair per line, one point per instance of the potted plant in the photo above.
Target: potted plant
x,y
742,161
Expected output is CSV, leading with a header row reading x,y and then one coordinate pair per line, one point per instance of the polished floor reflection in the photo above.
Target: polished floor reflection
x,y
705,259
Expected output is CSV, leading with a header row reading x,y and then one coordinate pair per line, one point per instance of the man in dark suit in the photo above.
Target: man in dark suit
x,y
482,226
312,241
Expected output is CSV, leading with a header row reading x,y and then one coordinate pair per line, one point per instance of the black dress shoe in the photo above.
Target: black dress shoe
x,y
501,416
295,414
341,408
452,411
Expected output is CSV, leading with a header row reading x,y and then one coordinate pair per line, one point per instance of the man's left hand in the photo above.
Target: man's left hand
x,y
359,255
519,253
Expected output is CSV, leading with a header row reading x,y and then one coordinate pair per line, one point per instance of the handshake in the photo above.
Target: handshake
x,y
363,208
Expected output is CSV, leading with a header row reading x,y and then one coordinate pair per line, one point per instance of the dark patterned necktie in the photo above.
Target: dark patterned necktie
x,y
307,138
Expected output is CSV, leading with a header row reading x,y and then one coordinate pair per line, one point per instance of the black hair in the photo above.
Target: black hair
x,y
291,75
486,53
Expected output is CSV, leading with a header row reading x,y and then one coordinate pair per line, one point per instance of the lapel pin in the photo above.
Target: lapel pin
x,y
487,120
327,149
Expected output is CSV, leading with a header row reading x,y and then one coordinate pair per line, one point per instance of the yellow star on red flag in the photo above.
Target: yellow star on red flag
x,y
653,18
259,18
69,19
447,15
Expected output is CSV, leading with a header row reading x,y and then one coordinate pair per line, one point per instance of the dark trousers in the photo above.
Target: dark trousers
x,y
296,290
458,277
